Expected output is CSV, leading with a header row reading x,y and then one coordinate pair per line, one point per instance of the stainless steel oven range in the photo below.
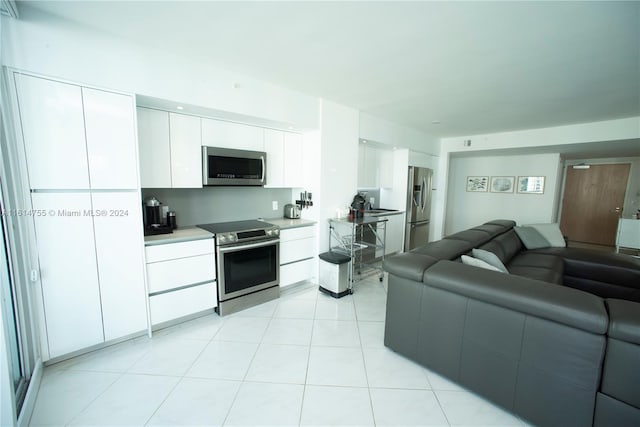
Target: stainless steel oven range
x,y
247,257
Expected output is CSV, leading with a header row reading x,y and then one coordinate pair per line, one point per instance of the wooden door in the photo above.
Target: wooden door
x,y
592,203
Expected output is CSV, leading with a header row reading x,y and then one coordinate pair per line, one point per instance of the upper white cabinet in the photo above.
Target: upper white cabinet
x,y
186,153
155,154
217,133
111,139
75,137
293,160
284,158
375,167
170,149
54,136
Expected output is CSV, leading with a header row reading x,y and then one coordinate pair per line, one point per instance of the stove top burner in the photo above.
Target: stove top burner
x,y
241,231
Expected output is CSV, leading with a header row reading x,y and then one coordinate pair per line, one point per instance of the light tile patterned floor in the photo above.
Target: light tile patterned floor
x,y
305,359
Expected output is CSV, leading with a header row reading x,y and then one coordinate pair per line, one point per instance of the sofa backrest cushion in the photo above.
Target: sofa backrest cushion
x,y
510,244
444,249
473,237
560,304
491,229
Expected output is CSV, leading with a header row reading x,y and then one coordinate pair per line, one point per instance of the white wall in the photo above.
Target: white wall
x,y
605,131
467,209
505,142
47,45
380,130
339,127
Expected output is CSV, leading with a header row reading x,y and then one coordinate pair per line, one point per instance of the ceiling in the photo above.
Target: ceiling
x,y
445,68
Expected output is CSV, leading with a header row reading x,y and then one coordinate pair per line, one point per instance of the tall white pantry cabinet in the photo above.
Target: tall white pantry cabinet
x,y
82,162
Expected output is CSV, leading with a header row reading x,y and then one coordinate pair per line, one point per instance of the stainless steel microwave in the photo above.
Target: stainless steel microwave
x,y
226,166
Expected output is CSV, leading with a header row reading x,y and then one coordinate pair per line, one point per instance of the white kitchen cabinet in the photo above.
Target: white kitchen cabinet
x,y
218,133
186,154
54,135
68,271
298,247
293,160
375,167
155,153
395,234
111,139
285,167
119,242
181,278
274,147
182,302
628,235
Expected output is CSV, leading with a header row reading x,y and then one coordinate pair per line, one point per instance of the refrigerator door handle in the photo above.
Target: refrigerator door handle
x,y
423,193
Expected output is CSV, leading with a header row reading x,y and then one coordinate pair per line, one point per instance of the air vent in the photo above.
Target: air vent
x,y
9,8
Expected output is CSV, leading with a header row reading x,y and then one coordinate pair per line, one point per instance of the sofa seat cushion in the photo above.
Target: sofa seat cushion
x,y
549,268
538,273
595,266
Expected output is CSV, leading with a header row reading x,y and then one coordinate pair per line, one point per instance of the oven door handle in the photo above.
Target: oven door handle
x,y
233,248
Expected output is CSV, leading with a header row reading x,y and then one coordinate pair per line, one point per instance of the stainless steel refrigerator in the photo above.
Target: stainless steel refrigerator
x,y
418,207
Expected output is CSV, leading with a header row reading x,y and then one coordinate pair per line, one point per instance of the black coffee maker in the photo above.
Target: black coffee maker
x,y
358,205
152,212
153,218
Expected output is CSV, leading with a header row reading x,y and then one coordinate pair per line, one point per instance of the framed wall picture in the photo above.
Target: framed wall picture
x,y
530,184
502,184
477,183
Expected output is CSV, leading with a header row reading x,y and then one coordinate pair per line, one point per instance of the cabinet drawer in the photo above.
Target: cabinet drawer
x,y
297,233
169,251
295,250
180,272
173,305
296,272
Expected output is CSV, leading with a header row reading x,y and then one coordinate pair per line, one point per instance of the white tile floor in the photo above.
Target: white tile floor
x,y
305,359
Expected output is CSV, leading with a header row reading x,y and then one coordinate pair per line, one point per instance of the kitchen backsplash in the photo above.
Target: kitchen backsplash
x,y
218,204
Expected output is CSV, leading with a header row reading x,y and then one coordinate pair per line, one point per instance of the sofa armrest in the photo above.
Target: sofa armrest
x,y
409,265
534,297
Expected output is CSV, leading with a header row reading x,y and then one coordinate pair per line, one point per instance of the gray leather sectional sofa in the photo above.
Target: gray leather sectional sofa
x,y
556,340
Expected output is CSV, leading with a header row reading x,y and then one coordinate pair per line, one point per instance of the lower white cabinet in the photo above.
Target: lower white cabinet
x,y
395,234
91,267
181,278
183,302
118,239
298,259
68,272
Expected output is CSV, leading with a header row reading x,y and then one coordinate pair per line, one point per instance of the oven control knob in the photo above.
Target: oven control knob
x,y
232,237
223,238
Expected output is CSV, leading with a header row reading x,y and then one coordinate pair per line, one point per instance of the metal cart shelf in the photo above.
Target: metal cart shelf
x,y
363,240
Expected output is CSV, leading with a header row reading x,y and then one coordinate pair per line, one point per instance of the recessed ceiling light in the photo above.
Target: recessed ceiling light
x,y
364,141
291,128
180,107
